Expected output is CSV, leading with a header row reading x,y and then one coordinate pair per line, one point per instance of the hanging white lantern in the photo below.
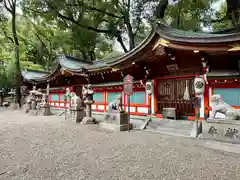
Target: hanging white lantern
x,y
149,87
199,86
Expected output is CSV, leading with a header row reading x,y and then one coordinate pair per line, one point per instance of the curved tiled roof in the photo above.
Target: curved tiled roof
x,y
80,66
197,37
36,75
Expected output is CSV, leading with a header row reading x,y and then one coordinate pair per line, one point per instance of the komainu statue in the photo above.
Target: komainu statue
x,y
116,118
219,106
116,105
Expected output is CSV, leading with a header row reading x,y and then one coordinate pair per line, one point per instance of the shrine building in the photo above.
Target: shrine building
x,y
168,58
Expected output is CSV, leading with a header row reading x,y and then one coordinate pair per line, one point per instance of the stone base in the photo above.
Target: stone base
x,y
45,111
14,106
222,130
118,118
34,112
115,127
77,115
88,120
196,131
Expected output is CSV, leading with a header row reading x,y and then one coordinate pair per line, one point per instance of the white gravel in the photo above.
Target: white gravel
x,y
39,148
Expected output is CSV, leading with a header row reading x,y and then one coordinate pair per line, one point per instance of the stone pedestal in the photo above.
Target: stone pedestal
x,y
115,121
27,107
34,112
34,104
78,114
88,119
45,110
14,105
222,130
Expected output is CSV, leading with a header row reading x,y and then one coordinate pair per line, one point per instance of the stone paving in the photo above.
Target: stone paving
x,y
51,148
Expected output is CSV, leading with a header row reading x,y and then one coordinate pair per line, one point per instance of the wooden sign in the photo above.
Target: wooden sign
x,y
128,85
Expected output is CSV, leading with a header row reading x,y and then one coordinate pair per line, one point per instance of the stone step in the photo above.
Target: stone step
x,y
170,125
170,131
167,121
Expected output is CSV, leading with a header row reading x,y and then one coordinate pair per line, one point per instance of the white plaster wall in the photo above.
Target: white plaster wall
x,y
93,106
142,110
202,108
132,109
101,107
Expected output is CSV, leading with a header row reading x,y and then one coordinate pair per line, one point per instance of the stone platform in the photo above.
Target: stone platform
x,y
115,121
222,130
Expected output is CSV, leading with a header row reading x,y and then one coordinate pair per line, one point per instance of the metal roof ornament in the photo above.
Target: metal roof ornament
x,y
164,42
235,47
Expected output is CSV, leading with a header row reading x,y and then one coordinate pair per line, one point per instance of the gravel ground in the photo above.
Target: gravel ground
x,y
38,148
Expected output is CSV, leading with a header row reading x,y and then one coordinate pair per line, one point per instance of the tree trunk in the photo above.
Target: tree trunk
x,y
120,40
130,35
129,27
92,55
179,17
84,55
17,77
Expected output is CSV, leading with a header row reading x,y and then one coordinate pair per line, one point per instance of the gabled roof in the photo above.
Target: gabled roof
x,y
159,36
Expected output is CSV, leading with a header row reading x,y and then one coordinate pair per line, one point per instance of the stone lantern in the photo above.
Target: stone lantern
x,y
12,93
33,98
88,101
45,107
77,109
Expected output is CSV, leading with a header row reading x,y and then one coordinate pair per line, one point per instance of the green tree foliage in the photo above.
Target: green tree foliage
x,y
89,29
10,6
94,19
198,15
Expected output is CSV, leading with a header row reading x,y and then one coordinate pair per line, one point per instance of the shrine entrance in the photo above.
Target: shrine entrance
x,y
176,93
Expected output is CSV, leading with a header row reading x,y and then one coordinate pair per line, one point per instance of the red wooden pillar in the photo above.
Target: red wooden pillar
x,y
73,89
124,102
155,96
149,104
206,102
105,100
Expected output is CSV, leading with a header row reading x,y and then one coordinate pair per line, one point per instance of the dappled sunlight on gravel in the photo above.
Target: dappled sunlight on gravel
x,y
38,148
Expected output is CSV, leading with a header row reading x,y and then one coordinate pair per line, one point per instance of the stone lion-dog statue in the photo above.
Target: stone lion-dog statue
x,y
219,106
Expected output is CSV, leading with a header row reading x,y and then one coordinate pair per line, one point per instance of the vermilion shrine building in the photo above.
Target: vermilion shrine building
x,y
170,58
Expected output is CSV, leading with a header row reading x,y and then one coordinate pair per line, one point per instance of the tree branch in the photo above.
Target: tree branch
x,y
7,8
71,19
6,35
94,9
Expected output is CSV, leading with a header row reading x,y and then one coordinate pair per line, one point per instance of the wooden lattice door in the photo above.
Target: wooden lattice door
x,y
170,93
